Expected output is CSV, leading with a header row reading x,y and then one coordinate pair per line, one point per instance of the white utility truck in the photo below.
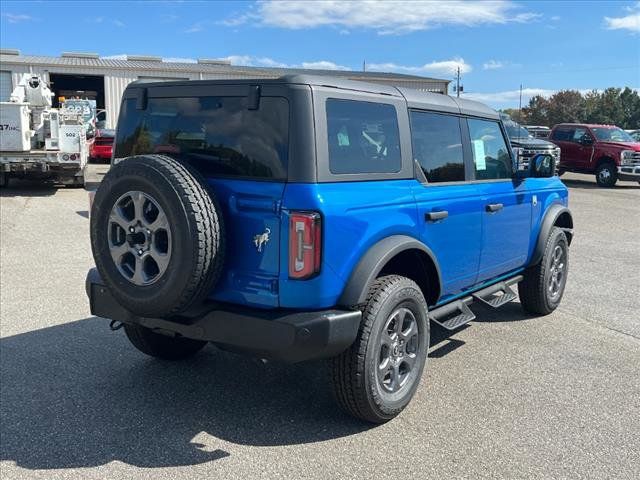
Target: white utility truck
x,y
38,141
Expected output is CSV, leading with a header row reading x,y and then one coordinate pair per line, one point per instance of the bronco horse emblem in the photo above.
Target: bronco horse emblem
x,y
261,239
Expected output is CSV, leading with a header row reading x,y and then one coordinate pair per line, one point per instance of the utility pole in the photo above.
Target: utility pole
x,y
364,65
458,82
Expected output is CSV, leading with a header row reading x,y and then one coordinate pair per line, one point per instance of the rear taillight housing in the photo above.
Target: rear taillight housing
x,y
305,244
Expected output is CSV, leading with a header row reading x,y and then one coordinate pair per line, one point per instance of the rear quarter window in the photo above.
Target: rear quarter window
x,y
219,136
363,137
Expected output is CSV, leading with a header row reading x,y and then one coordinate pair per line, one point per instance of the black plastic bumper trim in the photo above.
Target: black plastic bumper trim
x,y
286,335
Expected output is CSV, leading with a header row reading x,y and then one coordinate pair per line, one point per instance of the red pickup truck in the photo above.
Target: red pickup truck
x,y
604,150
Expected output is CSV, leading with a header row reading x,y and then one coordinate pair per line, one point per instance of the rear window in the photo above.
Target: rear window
x,y
219,136
363,137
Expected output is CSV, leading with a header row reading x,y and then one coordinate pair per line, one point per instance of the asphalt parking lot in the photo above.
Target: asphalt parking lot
x,y
509,396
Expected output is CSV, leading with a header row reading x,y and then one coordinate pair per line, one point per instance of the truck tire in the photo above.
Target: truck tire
x,y
157,235
607,174
377,376
162,346
543,285
4,180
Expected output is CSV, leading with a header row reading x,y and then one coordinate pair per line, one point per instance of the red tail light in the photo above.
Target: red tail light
x,y
305,244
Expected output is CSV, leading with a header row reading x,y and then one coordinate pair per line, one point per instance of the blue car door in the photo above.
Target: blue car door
x,y
505,201
448,204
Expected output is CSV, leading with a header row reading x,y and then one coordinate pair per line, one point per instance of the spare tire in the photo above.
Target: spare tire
x,y
157,235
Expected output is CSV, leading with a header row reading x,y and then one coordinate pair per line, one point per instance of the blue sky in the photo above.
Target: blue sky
x,y
545,46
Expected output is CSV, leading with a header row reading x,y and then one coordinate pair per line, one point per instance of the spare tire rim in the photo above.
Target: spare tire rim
x,y
398,350
139,238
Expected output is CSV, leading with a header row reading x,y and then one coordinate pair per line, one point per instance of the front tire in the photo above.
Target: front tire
x,y
543,285
607,175
378,375
162,346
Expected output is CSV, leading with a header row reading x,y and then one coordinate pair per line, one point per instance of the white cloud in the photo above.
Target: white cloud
x,y
629,22
250,61
323,65
386,17
444,67
493,65
555,18
119,23
179,60
17,17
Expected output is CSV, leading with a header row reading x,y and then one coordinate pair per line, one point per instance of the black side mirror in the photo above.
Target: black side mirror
x,y
543,165
586,140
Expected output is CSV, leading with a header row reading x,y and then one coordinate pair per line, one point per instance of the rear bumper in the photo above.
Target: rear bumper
x,y
40,167
101,152
290,336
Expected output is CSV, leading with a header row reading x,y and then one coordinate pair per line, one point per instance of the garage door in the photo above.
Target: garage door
x,y
5,85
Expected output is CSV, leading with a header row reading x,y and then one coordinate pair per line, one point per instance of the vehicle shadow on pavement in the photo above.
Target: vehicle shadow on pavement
x,y
25,189
78,395
587,185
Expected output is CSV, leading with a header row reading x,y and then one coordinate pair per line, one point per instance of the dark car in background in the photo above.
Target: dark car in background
x,y
524,145
102,146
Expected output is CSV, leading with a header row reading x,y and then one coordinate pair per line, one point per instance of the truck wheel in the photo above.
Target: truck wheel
x,y
4,180
607,175
162,346
543,284
157,235
377,376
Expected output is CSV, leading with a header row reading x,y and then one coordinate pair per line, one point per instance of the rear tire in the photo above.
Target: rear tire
x,y
543,285
375,379
607,175
4,180
162,346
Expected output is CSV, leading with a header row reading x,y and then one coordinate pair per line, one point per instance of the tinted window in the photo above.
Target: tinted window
x,y
437,146
217,135
562,134
490,152
363,137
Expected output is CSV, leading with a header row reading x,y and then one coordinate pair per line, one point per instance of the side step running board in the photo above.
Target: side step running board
x,y
497,295
454,314
457,313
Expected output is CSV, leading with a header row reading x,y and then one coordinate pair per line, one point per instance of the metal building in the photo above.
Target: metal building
x,y
104,79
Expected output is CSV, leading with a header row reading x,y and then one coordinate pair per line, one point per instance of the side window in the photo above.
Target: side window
x,y
437,146
363,137
490,153
562,135
578,134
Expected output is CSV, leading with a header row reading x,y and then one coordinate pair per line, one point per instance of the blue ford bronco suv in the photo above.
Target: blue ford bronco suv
x,y
311,217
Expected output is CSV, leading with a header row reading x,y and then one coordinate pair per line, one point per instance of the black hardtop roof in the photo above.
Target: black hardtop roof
x,y
415,98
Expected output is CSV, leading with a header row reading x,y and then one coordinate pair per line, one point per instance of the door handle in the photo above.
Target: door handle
x,y
434,216
494,207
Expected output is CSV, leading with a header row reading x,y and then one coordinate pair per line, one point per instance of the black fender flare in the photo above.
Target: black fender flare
x,y
549,220
370,265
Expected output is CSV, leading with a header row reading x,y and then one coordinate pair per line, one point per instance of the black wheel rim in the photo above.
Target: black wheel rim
x,y
557,272
398,350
